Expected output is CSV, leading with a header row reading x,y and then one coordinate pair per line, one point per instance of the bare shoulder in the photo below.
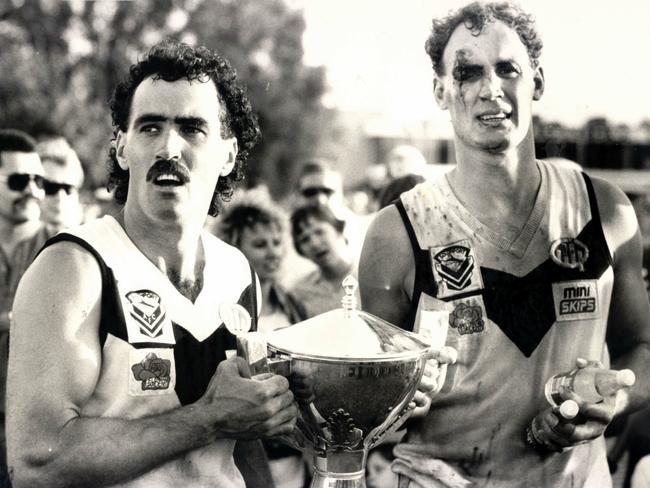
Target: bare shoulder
x,y
62,274
57,308
386,243
616,213
386,267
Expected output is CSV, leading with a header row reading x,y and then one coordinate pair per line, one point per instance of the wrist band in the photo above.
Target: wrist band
x,y
535,441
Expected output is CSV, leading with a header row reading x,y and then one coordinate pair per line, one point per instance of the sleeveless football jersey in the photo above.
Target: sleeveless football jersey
x,y
160,350
521,311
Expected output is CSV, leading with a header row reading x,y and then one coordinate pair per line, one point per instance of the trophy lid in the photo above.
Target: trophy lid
x,y
347,333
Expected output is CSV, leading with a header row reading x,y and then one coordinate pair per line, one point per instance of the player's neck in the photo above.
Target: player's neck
x,y
177,250
498,187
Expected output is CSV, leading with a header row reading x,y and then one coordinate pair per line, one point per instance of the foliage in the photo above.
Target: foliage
x,y
61,59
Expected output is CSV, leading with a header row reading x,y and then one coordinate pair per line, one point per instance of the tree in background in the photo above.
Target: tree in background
x,y
61,59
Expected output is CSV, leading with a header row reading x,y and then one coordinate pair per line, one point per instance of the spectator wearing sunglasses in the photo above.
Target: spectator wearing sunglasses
x,y
21,188
319,183
60,208
63,178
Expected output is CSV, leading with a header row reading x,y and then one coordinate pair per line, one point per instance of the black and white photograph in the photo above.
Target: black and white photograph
x,y
324,244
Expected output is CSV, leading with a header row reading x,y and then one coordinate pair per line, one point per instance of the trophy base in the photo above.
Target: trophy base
x,y
341,469
338,480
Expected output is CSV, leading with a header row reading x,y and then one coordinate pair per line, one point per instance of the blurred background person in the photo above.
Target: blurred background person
x,y
397,186
319,236
257,226
403,160
319,183
60,207
21,180
64,176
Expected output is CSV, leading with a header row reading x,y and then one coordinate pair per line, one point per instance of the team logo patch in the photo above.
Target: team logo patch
x,y
148,311
576,300
454,268
467,318
153,372
569,253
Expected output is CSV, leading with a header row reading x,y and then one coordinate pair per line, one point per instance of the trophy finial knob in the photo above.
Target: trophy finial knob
x,y
349,300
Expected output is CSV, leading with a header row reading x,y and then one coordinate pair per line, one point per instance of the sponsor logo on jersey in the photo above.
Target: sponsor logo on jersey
x,y
454,269
569,253
153,372
148,311
576,300
467,318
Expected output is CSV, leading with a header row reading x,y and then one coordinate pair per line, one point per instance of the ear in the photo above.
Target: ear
x,y
538,78
232,157
120,144
439,92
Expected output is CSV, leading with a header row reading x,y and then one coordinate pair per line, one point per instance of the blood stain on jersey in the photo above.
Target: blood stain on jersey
x,y
147,309
467,319
153,372
569,253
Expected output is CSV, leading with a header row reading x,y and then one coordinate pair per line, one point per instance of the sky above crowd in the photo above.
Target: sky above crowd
x,y
594,57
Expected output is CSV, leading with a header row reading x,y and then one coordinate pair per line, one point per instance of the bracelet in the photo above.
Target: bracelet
x,y
533,439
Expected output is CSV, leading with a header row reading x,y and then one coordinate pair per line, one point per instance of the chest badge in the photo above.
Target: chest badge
x,y
569,253
153,372
148,311
455,269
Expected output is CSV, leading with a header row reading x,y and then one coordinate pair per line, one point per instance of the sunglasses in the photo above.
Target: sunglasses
x,y
316,190
19,181
52,188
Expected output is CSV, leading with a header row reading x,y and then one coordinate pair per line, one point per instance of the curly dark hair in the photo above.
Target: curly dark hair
x,y
16,140
247,209
474,17
171,60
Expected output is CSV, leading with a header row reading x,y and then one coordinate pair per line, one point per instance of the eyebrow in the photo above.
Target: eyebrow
x,y
184,120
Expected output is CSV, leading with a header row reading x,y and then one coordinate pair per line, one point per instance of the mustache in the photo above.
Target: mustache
x,y
24,199
168,166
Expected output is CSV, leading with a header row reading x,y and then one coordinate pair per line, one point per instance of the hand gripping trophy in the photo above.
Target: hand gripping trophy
x,y
353,376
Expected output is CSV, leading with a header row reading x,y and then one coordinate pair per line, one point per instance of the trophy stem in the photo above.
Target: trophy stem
x,y
340,469
338,480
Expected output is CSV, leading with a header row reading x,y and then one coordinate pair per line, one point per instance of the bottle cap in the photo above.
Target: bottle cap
x,y
625,377
569,409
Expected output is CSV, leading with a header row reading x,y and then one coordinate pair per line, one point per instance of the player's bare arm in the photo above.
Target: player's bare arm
x,y
387,268
628,329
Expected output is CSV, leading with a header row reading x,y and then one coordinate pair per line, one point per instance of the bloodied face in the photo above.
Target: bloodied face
x,y
488,85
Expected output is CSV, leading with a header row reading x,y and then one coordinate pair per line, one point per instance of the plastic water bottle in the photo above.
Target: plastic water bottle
x,y
591,384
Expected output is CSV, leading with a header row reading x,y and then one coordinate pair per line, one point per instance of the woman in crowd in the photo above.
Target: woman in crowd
x,y
254,224
319,236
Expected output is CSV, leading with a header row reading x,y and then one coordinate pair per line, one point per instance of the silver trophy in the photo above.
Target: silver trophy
x,y
353,376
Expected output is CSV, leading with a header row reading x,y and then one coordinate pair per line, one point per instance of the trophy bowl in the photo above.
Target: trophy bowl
x,y
353,376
